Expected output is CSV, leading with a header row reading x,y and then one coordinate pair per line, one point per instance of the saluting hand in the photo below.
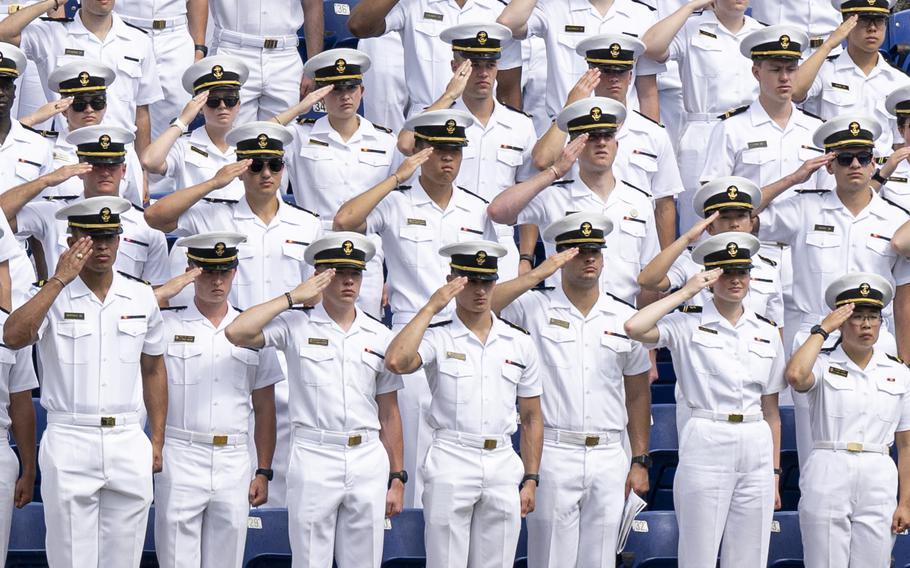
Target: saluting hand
x,y
585,86
308,292
315,96
459,80
698,228
810,166
569,154
194,107
230,172
835,319
701,281
699,5
70,263
173,286
894,160
441,297
47,111
843,30
64,173
556,261
411,163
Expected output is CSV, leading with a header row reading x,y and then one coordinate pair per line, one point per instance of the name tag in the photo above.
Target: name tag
x,y
73,316
559,323
318,341
575,29
455,355
841,86
420,222
199,151
432,16
759,144
78,52
707,330
185,338
824,228
897,179
838,372
707,34
318,142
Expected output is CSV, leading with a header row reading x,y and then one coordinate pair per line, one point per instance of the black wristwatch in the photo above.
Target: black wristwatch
x,y
877,176
203,48
269,474
530,477
643,460
778,471
402,475
819,330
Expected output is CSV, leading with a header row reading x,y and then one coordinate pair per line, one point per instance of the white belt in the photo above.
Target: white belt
x,y
108,421
349,439
726,416
247,40
856,447
581,438
478,441
155,24
210,439
702,116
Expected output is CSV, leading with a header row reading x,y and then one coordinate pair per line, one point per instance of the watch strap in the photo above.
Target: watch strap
x,y
535,477
267,473
203,48
877,176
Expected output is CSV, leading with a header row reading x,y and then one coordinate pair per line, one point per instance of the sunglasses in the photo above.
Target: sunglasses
x,y
97,103
845,159
275,164
215,102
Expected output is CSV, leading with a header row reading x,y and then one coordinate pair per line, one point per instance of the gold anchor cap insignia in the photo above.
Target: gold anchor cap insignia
x,y
219,249
347,247
341,65
864,289
83,78
586,229
263,140
596,114
105,214
854,128
732,249
104,141
614,50
785,41
482,37
732,192
450,126
481,258
218,71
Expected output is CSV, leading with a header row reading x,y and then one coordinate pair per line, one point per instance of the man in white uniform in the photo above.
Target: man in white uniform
x,y
477,366
101,342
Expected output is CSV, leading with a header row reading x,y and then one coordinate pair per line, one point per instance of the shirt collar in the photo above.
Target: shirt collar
x,y
876,206
78,288
709,315
758,114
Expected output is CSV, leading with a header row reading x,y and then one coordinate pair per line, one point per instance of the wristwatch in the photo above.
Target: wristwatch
x,y
402,475
819,330
877,176
535,477
203,48
269,474
643,460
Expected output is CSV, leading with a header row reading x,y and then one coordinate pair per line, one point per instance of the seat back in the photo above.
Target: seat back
x,y
26,538
786,547
653,541
267,541
404,546
664,452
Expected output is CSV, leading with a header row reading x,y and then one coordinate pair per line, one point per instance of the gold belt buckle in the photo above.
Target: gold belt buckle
x,y
219,440
270,43
355,440
854,447
737,418
108,421
159,24
592,440
490,444
13,8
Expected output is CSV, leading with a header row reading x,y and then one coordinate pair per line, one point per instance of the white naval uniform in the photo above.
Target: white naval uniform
x,y
818,18
715,79
194,158
126,49
17,374
842,89
29,90
724,485
584,358
21,272
271,263
471,500
202,493
325,171
96,481
413,228
669,87
564,26
131,186
497,157
267,43
142,252
427,59
631,245
165,22
385,97
336,486
847,497
897,188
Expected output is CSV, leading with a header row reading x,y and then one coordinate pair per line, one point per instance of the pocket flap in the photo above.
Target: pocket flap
x,y
293,250
757,157
634,227
892,385
131,68
646,163
508,157
761,349
454,368
246,356
822,239
73,329
706,339
316,353
416,233
375,159
315,153
133,327
511,373
183,350
372,359
615,343
557,334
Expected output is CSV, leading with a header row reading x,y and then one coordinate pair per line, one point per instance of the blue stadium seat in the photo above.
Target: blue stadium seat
x,y
901,552
337,33
666,375
786,549
897,40
653,541
521,554
663,393
789,461
26,539
404,546
665,455
268,546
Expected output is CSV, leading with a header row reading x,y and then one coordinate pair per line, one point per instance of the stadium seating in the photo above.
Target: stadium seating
x,y
653,541
267,543
901,553
664,453
26,539
789,461
404,546
786,549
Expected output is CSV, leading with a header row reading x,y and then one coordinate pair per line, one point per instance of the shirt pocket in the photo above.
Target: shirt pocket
x,y
889,397
707,56
375,364
135,256
838,97
293,263
73,342
27,170
416,245
314,369
557,347
131,336
456,381
375,159
132,70
509,157
247,360
761,357
837,394
645,163
757,157
428,35
762,286
632,233
246,271
708,353
821,248
879,246
185,359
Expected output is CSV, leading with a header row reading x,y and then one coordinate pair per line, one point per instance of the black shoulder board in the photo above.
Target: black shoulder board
x,y
768,260
514,109
807,113
648,195
295,206
833,57
893,204
543,288
131,277
648,6
621,301
60,197
512,325
649,118
894,358
374,318
172,308
768,321
690,309
39,283
440,323
733,112
504,2
305,120
382,128
562,182
137,208
219,200
474,194
42,133
136,28
811,191
59,20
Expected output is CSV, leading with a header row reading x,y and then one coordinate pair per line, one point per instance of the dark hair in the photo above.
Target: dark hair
x,y
902,121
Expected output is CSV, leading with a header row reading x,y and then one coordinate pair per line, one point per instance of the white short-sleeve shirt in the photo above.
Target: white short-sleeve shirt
x,y
17,374
25,155
194,158
261,18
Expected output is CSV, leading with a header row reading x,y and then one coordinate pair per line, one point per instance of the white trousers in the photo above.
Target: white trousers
x,y
724,490
845,509
578,508
385,94
273,85
97,487
417,435
202,505
472,508
174,53
691,158
336,504
9,473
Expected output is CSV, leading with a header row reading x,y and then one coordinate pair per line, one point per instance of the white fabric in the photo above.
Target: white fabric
x,y
9,473
24,156
152,9
273,17
17,374
818,18
385,95
416,432
174,53
897,188
195,158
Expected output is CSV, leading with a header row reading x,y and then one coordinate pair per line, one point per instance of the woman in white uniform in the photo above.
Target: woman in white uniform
x,y
859,404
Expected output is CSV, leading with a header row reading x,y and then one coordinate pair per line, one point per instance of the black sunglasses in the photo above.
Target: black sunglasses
x,y
275,164
845,159
97,103
215,102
